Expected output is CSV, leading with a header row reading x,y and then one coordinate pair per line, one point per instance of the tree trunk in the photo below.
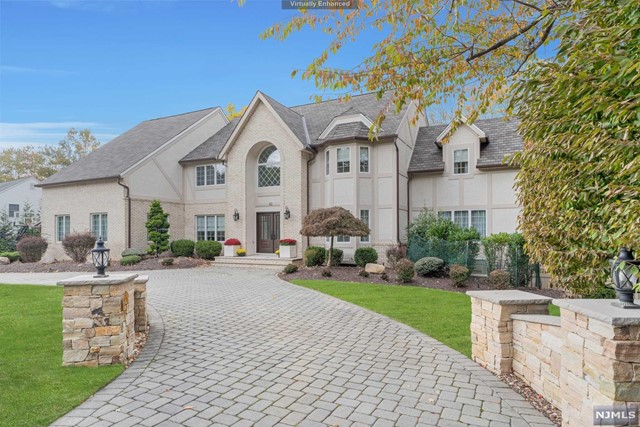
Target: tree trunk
x,y
330,252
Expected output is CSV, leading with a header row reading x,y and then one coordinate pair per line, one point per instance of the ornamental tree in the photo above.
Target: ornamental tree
x,y
579,182
157,228
335,221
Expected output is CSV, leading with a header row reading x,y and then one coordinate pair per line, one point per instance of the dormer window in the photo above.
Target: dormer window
x,y
210,175
460,161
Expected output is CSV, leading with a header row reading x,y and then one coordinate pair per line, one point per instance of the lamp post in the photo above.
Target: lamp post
x,y
624,272
100,257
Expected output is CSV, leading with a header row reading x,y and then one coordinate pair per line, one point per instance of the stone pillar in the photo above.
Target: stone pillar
x,y
140,305
98,320
600,358
492,327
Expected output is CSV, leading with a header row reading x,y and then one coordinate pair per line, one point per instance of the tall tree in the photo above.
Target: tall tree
x,y
331,222
432,51
157,228
42,162
579,182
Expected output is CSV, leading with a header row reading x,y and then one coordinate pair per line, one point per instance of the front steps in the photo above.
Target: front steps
x,y
262,260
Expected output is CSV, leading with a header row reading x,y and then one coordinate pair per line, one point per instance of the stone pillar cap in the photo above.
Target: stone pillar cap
x,y
601,309
88,279
510,297
142,278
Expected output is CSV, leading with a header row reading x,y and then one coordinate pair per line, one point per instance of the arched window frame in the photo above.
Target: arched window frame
x,y
268,176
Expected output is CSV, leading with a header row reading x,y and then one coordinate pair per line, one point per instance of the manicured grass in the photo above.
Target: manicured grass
x,y
554,310
443,315
34,387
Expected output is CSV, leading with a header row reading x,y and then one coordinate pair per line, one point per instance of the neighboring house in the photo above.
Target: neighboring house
x,y
255,178
18,194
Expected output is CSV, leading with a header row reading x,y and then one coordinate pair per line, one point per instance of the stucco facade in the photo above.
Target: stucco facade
x,y
323,159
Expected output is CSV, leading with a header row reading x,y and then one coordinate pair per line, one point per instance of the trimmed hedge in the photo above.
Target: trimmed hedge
x,y
429,266
31,248
314,256
208,249
183,247
130,260
290,268
336,259
364,256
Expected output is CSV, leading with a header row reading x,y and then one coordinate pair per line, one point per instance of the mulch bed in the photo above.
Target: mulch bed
x,y
64,266
350,274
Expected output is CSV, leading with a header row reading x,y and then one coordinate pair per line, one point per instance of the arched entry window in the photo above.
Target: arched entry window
x,y
269,167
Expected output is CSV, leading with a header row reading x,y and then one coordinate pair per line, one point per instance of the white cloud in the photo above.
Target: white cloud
x,y
44,133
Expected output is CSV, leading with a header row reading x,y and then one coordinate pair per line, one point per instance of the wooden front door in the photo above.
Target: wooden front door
x,y
268,232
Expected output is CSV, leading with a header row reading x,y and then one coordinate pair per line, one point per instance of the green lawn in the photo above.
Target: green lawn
x,y
554,310
443,315
34,387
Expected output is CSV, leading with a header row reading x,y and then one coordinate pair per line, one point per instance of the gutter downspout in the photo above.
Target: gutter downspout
x,y
128,199
313,157
395,143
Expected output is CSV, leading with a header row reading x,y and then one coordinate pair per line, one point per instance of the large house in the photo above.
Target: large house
x,y
256,177
20,200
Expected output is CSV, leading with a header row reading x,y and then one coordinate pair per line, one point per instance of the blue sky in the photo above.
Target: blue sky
x,y
109,65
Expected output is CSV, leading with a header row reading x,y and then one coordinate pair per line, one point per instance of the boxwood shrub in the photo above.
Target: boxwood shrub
x,y
183,247
429,266
364,256
130,260
336,259
314,256
208,249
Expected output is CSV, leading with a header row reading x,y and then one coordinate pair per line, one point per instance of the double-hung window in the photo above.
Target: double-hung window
x,y
327,163
476,219
210,175
343,164
460,161
364,159
364,217
99,225
461,218
210,227
63,227
479,222
14,210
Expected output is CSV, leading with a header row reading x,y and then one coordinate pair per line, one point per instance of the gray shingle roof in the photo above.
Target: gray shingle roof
x,y
502,136
115,157
315,117
8,184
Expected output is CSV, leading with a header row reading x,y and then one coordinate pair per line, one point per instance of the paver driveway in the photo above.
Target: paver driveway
x,y
232,346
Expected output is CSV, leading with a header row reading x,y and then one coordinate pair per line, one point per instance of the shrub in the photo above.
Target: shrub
x,y
288,242
336,259
363,273
290,268
157,229
141,252
429,266
459,274
314,256
130,260
232,242
405,270
183,247
208,249
167,261
500,279
385,277
364,256
495,250
241,252
31,248
78,245
394,255
326,273
13,256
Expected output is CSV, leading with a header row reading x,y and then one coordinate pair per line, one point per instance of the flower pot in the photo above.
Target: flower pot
x,y
230,250
288,251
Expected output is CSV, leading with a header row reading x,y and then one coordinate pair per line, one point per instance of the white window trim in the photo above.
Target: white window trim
x,y
368,159
453,162
337,159
262,187
206,231
453,211
215,175
65,232
101,234
327,163
368,236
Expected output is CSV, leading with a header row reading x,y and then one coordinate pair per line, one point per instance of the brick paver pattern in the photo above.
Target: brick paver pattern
x,y
239,347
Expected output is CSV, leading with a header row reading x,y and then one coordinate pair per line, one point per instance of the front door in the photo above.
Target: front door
x,y
268,232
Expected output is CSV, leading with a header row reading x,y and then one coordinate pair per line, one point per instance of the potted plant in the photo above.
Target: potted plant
x,y
288,248
231,246
241,252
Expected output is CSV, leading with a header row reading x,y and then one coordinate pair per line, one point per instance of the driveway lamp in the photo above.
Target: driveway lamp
x,y
100,256
624,272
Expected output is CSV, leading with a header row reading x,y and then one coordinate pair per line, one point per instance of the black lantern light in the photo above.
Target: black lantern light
x,y
287,212
236,215
624,272
100,256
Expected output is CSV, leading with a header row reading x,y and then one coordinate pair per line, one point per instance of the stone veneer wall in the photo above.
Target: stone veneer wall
x,y
590,358
98,319
537,344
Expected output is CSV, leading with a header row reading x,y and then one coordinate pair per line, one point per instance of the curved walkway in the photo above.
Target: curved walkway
x,y
240,347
